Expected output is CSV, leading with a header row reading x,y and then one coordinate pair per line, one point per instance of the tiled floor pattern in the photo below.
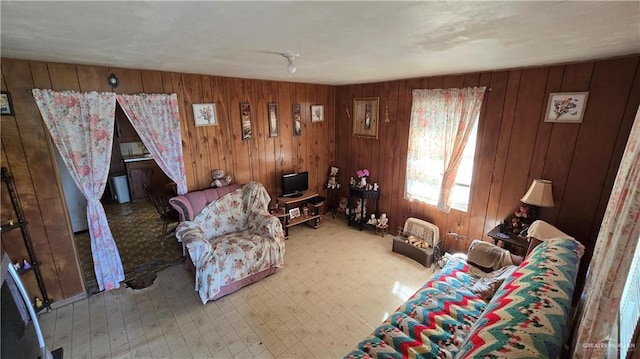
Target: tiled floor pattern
x,y
337,285
136,229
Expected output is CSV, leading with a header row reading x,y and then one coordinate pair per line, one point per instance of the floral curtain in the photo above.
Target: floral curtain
x,y
441,123
81,126
157,121
613,253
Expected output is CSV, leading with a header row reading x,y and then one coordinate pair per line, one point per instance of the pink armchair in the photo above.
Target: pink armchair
x,y
231,238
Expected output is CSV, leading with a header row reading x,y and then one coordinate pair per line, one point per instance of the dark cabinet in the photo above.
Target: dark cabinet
x,y
140,173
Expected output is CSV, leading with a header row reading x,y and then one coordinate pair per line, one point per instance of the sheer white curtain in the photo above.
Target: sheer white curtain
x,y
156,119
442,121
81,127
613,254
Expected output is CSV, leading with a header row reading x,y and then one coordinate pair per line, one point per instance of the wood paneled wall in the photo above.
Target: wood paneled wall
x,y
514,145
27,153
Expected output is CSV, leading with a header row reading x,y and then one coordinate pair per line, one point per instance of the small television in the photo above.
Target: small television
x,y
294,184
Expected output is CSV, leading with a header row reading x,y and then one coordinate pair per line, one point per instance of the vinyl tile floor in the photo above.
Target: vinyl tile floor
x,y
336,286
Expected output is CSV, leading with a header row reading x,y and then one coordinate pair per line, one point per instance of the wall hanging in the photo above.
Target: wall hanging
x,y
317,113
567,107
272,112
204,114
245,118
366,117
6,108
297,119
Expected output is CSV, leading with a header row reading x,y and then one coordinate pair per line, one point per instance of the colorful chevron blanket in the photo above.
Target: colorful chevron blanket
x,y
526,318
432,323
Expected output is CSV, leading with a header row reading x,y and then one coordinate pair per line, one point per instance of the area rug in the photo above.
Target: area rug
x,y
136,229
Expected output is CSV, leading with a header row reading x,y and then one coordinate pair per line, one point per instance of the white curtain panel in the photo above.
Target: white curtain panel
x,y
612,255
442,121
81,126
156,119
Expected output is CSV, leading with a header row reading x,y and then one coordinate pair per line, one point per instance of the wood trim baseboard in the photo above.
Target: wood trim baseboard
x,y
67,301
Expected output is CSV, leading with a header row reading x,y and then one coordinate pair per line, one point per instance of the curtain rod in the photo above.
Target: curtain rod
x,y
489,89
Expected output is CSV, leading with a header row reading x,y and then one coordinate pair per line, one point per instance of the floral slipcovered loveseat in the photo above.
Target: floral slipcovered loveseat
x,y
233,241
446,318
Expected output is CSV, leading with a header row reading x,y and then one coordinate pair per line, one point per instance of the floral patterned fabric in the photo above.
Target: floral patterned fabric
x,y
432,323
613,253
527,317
81,126
155,117
233,238
441,124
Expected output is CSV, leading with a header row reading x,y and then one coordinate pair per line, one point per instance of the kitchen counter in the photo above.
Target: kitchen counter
x,y
136,158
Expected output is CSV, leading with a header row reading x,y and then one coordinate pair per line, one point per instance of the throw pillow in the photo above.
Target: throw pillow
x,y
488,284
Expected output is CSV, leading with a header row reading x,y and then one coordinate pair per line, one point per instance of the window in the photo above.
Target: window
x,y
442,142
629,314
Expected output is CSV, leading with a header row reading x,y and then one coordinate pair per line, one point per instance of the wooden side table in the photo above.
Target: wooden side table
x,y
511,242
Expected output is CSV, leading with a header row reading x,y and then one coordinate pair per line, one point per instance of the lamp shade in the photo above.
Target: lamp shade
x,y
539,194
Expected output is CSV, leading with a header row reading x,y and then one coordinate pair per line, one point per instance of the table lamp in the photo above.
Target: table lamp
x,y
538,195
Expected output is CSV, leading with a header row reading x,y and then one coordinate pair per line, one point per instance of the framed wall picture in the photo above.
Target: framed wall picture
x,y
317,113
204,114
6,107
566,107
245,120
272,115
297,119
366,116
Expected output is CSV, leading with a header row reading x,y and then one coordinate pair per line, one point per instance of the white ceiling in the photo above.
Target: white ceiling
x,y
338,42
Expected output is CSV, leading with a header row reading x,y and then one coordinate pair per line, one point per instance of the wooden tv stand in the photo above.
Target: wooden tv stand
x,y
310,200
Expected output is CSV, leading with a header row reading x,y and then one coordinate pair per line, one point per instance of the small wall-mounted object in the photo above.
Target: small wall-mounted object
x,y
204,114
566,107
366,115
317,113
245,121
6,107
272,113
386,114
297,119
113,80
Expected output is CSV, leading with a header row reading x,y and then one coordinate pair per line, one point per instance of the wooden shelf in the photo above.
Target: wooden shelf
x,y
302,219
307,200
8,227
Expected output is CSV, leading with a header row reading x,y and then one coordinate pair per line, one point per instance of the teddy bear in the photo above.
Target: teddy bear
x,y
220,179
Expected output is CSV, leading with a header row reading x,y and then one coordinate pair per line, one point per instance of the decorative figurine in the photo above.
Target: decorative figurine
x,y
372,220
383,220
25,264
375,186
333,178
17,265
38,303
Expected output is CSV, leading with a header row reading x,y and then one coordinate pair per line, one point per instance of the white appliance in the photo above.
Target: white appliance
x,y
119,188
76,203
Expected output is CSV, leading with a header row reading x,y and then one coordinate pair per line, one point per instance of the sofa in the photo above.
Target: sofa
x,y
229,237
452,316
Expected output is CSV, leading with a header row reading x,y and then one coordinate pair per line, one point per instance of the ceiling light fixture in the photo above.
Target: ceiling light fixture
x,y
291,67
